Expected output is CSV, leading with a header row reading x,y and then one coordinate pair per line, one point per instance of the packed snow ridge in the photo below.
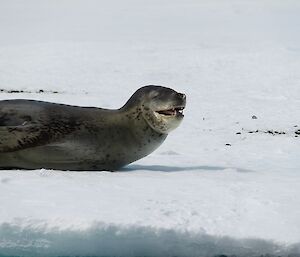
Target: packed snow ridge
x,y
114,240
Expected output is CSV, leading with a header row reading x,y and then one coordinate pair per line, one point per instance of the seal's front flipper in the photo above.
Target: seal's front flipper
x,y
14,138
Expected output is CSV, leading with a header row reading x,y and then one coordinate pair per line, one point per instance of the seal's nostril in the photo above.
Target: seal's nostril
x,y
183,96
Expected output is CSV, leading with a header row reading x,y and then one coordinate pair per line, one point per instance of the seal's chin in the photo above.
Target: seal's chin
x,y
175,111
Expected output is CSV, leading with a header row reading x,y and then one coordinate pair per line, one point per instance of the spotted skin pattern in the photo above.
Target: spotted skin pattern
x,y
37,134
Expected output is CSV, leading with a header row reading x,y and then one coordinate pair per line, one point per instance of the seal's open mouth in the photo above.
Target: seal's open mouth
x,y
176,111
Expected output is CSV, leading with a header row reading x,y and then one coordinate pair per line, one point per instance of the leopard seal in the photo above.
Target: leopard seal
x,y
38,134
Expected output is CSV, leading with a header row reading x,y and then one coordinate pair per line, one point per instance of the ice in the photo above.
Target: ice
x,y
212,188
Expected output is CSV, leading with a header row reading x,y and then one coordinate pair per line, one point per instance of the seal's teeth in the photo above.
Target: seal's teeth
x,y
172,111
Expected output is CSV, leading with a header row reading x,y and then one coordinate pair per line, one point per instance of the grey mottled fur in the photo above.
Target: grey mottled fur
x,y
36,134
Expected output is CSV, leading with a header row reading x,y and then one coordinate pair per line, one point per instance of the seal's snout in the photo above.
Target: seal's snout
x,y
182,96
181,99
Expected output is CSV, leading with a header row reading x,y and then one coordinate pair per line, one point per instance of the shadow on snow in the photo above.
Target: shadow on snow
x,y
164,168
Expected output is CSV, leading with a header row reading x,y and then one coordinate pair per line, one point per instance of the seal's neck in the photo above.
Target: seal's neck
x,y
133,101
131,135
145,136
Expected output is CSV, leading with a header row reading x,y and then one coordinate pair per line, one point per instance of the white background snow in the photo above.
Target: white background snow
x,y
195,195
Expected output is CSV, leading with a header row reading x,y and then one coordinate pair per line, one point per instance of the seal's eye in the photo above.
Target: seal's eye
x,y
153,94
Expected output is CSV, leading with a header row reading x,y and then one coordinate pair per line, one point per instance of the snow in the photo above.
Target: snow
x,y
142,211
207,190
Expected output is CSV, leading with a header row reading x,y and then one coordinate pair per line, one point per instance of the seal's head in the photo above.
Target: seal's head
x,y
161,107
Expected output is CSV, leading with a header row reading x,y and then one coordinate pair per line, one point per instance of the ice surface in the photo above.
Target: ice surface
x,y
220,184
